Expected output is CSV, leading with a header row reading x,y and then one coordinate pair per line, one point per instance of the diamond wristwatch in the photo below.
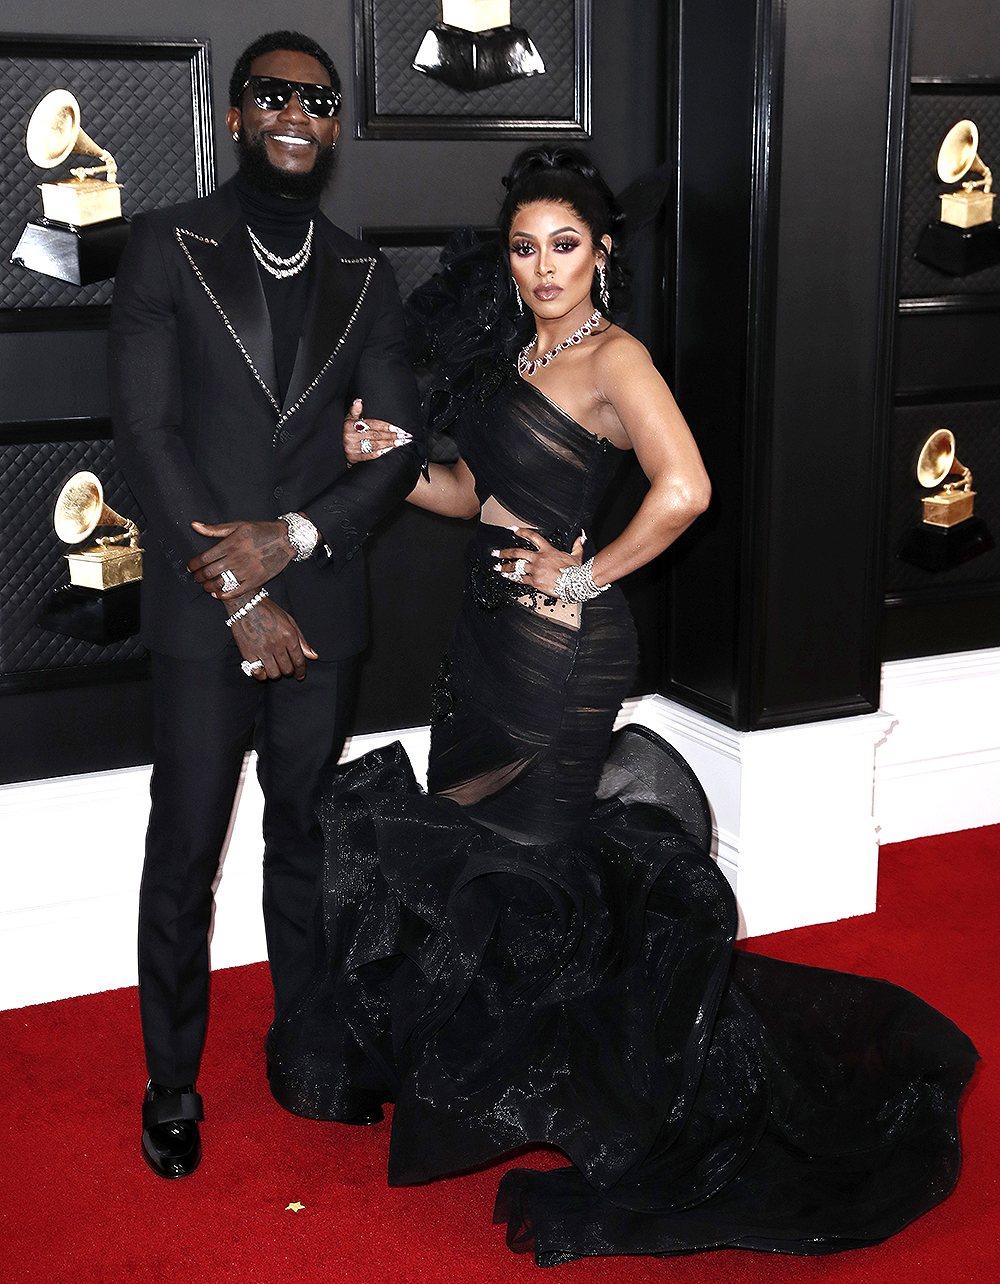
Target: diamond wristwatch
x,y
302,535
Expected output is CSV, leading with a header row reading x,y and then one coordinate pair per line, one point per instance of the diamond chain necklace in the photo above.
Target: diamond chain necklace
x,y
528,368
274,263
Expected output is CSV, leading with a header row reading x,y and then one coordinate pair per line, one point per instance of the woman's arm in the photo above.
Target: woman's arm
x,y
679,489
448,491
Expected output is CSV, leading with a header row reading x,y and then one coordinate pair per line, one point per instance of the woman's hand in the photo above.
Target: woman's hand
x,y
366,439
538,569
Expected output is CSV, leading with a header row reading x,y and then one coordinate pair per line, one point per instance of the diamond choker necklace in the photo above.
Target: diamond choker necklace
x,y
528,368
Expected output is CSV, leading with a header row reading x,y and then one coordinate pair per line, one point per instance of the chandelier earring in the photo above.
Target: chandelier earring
x,y
602,276
517,296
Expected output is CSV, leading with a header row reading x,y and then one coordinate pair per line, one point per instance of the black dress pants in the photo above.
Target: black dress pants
x,y
206,714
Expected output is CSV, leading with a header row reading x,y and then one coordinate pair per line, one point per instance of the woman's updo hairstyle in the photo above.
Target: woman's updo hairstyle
x,y
560,172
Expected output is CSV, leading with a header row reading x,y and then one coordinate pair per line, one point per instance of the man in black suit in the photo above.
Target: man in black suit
x,y
243,323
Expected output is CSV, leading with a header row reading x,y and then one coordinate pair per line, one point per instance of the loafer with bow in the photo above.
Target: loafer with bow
x,y
171,1144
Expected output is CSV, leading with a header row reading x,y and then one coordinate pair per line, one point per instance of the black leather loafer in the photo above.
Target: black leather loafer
x,y
171,1144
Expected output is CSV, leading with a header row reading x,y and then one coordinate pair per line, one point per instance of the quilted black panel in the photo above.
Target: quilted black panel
x,y
31,476
140,110
412,264
929,119
399,27
976,425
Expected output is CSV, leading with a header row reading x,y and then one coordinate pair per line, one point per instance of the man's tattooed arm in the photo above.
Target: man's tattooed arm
x,y
269,634
250,552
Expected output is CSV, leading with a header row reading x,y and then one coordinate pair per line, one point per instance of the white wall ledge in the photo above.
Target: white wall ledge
x,y
939,769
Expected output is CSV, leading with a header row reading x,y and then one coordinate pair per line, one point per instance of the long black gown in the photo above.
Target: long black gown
x,y
540,965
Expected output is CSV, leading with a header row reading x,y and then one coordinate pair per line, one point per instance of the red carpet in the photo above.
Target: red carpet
x,y
79,1205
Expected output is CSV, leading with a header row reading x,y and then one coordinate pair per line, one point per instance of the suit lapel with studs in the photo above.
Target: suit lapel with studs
x,y
227,270
339,289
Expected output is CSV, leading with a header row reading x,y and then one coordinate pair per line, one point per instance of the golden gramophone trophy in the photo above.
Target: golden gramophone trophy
x,y
111,560
82,233
950,533
965,238
474,47
101,602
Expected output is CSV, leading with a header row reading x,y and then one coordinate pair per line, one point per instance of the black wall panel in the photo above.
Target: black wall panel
x,y
947,349
819,630
715,289
947,357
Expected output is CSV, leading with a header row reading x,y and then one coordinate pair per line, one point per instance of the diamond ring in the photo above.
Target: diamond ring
x,y
520,566
229,581
249,666
366,446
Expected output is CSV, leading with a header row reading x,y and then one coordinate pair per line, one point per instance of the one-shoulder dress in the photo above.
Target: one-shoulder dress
x,y
539,950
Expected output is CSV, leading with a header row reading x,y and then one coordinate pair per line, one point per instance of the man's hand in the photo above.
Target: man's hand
x,y
251,552
269,634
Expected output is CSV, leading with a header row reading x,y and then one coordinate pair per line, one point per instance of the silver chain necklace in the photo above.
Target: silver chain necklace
x,y
528,368
274,263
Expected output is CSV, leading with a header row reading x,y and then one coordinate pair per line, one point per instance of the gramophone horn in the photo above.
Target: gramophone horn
x,y
54,133
959,154
937,459
80,509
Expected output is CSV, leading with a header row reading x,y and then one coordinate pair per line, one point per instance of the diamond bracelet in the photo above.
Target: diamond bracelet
x,y
247,607
576,583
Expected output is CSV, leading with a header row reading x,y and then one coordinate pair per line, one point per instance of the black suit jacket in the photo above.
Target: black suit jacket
x,y
201,436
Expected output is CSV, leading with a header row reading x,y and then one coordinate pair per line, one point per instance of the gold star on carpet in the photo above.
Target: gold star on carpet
x,y
294,1208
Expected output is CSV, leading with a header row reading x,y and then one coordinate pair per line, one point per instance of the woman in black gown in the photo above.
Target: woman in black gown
x,y
540,949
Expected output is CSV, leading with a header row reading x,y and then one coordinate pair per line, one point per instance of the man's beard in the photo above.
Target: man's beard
x,y
257,169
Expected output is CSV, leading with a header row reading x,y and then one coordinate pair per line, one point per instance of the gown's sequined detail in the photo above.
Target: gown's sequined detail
x,y
541,968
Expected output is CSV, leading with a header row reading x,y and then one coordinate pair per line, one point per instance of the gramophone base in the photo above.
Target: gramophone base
x,y
959,251
93,615
941,548
79,255
471,60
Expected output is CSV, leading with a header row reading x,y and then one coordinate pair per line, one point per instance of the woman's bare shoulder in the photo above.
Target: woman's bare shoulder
x,y
621,354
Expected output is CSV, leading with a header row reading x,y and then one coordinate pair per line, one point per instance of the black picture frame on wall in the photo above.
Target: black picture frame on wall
x,y
935,104
396,101
413,251
149,102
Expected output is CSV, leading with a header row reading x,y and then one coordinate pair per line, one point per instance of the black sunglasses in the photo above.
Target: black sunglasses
x,y
272,94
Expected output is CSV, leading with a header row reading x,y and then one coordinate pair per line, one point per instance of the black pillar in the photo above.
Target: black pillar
x,y
789,134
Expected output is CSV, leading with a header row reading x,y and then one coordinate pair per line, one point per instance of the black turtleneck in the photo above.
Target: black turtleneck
x,y
282,226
